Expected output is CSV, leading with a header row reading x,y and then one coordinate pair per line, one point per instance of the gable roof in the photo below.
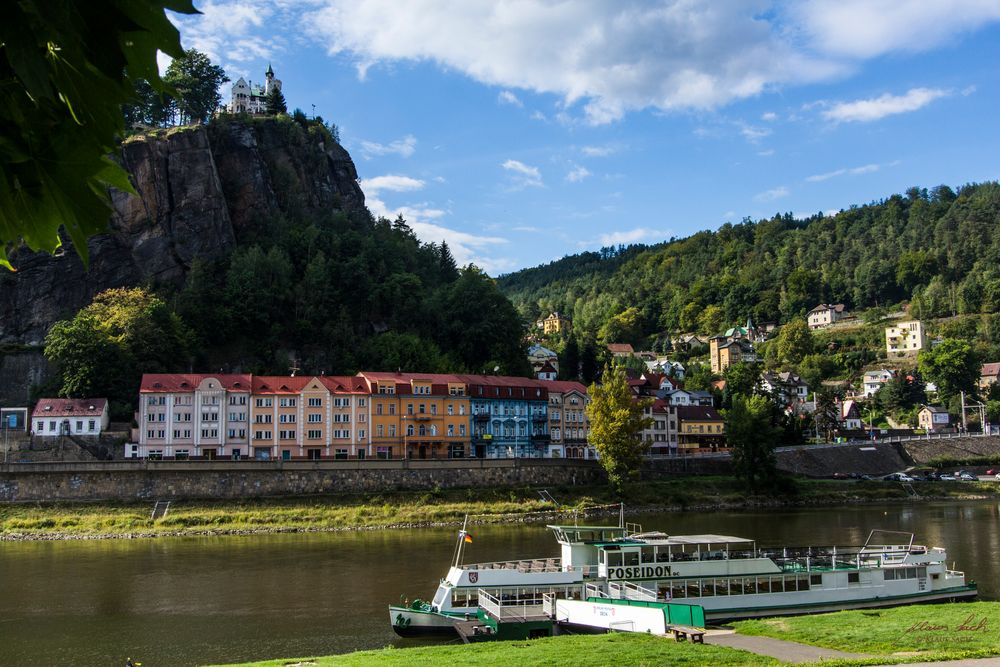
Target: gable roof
x,y
698,413
70,407
183,382
620,348
990,369
564,386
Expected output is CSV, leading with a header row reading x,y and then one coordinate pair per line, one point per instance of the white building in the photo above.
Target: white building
x,y
825,314
873,380
905,338
54,417
662,430
251,99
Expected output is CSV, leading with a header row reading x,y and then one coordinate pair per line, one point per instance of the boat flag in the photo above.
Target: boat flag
x,y
466,537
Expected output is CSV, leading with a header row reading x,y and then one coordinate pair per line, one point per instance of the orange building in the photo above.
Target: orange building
x,y
418,415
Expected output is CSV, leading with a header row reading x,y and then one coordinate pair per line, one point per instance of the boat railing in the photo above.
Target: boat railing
x,y
626,590
592,591
531,565
503,610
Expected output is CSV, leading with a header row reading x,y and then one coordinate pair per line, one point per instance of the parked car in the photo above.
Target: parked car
x,y
997,477
991,471
967,477
897,477
945,477
840,475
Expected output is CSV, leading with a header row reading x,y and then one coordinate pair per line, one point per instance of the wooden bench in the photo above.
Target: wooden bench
x,y
683,632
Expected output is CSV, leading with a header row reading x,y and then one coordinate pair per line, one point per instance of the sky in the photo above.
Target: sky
x,y
521,131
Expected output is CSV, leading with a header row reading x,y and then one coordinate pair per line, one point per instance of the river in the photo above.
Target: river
x,y
191,601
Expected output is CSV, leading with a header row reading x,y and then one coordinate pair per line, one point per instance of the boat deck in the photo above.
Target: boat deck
x,y
530,565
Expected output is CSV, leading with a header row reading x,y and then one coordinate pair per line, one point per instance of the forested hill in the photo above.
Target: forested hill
x,y
939,249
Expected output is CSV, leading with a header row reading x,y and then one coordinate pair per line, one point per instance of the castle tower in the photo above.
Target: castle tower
x,y
269,81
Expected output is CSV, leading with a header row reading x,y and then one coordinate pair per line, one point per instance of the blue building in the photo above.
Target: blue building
x,y
509,416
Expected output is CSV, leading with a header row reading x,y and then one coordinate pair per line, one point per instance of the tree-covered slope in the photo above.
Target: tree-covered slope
x,y
938,249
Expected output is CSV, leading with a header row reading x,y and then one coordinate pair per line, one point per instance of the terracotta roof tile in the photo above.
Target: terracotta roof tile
x,y
69,407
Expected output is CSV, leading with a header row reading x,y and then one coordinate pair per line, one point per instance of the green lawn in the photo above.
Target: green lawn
x,y
631,650
966,629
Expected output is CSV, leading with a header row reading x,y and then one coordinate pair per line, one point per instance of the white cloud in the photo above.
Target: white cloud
x,y
404,147
465,247
885,105
766,153
507,97
525,228
754,134
599,151
612,58
577,174
627,236
774,193
523,175
233,31
392,183
869,28
769,117
968,90
853,171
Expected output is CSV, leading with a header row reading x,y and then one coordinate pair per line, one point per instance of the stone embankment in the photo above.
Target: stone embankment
x,y
168,480
966,447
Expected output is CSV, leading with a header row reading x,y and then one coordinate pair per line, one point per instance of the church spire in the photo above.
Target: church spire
x,y
269,72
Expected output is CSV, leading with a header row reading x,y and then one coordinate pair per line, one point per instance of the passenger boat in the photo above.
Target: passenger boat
x,y
729,577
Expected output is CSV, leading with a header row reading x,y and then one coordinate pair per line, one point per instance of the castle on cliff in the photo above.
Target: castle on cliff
x,y
248,98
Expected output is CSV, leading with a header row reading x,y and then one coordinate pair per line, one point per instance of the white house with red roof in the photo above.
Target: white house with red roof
x,y
54,417
988,374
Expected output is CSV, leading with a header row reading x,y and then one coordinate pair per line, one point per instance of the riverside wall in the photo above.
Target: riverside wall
x,y
175,480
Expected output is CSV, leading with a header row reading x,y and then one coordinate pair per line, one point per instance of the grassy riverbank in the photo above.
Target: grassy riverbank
x,y
565,651
904,634
890,636
359,512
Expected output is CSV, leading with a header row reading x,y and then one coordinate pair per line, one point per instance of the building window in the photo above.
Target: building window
x,y
315,402
315,418
378,409
409,429
314,434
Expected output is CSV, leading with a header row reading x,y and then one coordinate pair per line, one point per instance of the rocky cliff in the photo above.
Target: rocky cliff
x,y
197,189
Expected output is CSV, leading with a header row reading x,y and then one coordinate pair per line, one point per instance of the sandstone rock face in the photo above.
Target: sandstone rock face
x,y
196,189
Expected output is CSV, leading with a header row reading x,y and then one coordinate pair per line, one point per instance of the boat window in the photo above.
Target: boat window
x,y
662,555
764,585
722,587
707,588
631,557
922,572
853,577
648,555
816,580
693,589
615,559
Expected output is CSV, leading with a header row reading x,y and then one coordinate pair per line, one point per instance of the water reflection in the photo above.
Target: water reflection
x,y
187,601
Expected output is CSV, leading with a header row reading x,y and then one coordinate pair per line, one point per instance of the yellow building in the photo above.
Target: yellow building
x,y
700,429
418,416
556,323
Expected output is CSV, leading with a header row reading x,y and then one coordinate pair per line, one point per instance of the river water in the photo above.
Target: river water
x,y
192,601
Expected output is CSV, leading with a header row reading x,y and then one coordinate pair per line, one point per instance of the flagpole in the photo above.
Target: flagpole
x,y
461,540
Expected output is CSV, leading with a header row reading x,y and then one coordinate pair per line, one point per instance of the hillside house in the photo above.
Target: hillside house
x,y
790,389
933,418
872,381
850,416
556,323
825,314
54,417
700,429
905,338
988,375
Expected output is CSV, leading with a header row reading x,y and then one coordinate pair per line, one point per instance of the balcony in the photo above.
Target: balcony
x,y
539,418
540,439
481,417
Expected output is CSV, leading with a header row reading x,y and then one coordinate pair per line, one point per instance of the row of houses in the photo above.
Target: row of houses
x,y
370,415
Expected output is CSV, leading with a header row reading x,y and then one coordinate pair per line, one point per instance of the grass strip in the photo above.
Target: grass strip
x,y
436,507
564,651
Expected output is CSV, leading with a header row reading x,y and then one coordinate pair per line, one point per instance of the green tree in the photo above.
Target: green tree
x,y
625,327
901,392
711,319
795,341
742,380
616,424
827,414
196,83
569,359
106,347
66,70
405,351
276,101
752,436
953,366
698,376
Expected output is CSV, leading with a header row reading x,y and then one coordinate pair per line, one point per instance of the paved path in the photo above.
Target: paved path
x,y
776,648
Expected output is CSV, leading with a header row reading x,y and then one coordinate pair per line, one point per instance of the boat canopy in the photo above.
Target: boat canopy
x,y
677,540
587,534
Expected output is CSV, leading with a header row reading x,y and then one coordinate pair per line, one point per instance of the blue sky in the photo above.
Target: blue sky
x,y
522,131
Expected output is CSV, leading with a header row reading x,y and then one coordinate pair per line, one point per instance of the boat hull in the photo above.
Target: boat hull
x,y
407,622
962,594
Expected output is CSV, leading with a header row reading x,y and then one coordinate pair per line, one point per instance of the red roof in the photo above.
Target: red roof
x,y
183,382
564,386
547,367
990,369
345,384
620,348
69,407
280,384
